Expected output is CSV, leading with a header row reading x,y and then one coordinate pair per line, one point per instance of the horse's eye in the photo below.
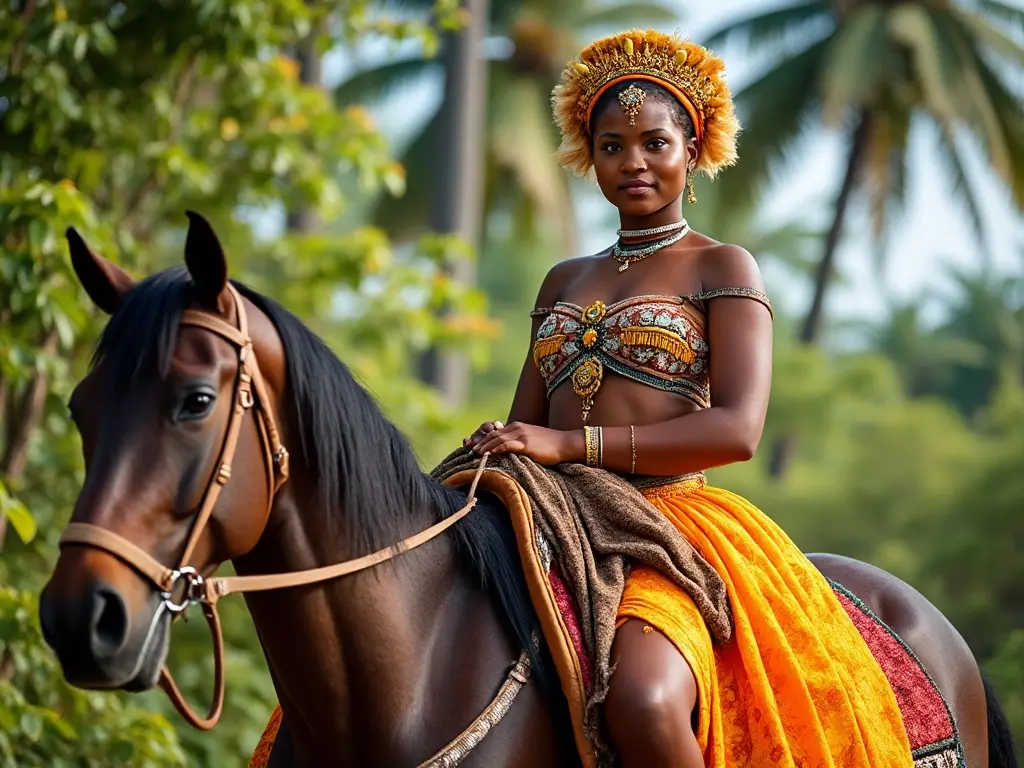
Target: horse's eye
x,y
196,404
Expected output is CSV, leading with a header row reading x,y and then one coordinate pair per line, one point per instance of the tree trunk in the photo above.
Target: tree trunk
x,y
305,220
458,202
22,420
810,332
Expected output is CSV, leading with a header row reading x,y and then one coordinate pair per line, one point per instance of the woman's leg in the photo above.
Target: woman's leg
x,y
651,701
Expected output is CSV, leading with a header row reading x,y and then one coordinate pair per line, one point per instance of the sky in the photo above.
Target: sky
x,y
932,235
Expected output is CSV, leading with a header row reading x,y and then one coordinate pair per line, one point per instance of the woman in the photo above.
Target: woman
x,y
620,375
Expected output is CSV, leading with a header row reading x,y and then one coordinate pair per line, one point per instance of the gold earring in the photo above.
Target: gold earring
x,y
690,197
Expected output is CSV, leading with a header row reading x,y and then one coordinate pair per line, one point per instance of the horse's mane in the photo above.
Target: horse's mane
x,y
361,463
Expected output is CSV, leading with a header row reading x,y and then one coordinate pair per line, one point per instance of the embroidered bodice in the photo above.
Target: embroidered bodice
x,y
660,341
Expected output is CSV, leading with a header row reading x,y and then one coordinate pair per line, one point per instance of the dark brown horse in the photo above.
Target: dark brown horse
x,y
385,666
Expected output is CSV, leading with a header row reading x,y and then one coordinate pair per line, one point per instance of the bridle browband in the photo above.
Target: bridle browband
x,y
250,393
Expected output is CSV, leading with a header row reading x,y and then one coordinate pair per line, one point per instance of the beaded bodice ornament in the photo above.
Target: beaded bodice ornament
x,y
659,341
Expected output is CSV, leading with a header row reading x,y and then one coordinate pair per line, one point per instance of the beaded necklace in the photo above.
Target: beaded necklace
x,y
627,255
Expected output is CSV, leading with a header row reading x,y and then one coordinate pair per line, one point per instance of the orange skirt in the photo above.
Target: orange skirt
x,y
797,685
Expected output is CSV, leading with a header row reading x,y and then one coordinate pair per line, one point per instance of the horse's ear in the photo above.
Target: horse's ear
x,y
205,260
104,282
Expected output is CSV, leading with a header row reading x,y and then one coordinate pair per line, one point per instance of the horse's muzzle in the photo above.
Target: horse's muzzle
x,y
99,644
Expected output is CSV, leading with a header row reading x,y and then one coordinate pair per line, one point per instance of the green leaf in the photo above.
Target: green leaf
x,y
31,725
81,46
17,514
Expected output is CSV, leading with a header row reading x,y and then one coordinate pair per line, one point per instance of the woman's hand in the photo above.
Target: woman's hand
x,y
545,446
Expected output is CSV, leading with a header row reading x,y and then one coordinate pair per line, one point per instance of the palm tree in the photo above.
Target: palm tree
x,y
872,66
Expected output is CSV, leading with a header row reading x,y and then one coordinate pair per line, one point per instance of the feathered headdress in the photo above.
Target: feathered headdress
x,y
686,70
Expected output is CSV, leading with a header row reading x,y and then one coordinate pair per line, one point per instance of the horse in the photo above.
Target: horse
x,y
385,659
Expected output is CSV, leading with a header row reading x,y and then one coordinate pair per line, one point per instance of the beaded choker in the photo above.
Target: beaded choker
x,y
652,231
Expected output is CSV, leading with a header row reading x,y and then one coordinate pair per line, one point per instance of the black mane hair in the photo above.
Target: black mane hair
x,y
368,481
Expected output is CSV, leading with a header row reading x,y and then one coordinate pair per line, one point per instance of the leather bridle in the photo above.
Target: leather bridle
x,y
250,392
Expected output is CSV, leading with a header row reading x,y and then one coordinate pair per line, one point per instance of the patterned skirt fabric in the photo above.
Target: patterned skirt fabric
x,y
797,685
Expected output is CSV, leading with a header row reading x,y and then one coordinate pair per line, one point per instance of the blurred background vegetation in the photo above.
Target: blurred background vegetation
x,y
412,233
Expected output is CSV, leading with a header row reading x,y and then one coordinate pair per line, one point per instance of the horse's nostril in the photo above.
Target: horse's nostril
x,y
109,623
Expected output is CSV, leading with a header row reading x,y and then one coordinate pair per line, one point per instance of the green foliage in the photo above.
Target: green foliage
x,y
114,119
1006,669
46,724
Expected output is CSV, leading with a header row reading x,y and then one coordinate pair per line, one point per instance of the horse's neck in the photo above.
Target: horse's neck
x,y
351,658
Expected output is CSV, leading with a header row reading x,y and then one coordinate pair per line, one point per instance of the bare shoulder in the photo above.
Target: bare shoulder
x,y
729,266
561,275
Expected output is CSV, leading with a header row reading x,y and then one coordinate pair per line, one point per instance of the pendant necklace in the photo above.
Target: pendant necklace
x,y
627,255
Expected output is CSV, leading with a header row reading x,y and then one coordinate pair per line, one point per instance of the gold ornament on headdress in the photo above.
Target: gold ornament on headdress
x,y
632,101
686,70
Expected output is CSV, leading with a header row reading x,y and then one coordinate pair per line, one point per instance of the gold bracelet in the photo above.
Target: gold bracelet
x,y
632,445
590,437
600,446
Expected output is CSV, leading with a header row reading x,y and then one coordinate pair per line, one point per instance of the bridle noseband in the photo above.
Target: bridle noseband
x,y
250,393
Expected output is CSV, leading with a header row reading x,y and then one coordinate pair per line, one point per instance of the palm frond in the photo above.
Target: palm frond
x,y
1001,11
407,216
776,109
628,15
856,63
976,100
885,163
990,36
372,85
522,140
791,244
1009,112
933,55
769,28
956,170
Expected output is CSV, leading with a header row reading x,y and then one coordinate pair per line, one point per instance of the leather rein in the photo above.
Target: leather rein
x,y
184,585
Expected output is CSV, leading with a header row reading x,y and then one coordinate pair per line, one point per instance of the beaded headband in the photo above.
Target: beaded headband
x,y
686,70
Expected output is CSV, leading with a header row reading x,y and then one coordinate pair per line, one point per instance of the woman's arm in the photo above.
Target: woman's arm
x,y
740,338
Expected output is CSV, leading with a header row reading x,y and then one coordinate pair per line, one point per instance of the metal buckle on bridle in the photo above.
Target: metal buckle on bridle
x,y
193,589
